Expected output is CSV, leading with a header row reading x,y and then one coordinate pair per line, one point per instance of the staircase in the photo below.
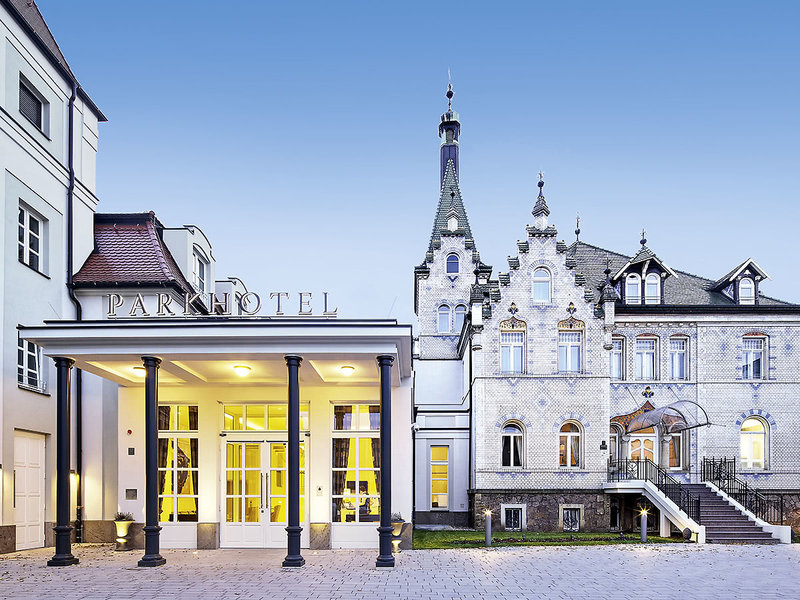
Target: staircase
x,y
724,523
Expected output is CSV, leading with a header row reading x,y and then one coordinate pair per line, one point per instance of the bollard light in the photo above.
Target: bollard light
x,y
643,532
488,514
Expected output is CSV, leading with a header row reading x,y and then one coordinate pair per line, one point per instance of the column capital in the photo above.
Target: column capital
x,y
63,361
151,361
385,359
293,359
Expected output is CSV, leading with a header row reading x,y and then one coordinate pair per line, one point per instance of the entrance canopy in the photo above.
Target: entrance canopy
x,y
676,417
206,350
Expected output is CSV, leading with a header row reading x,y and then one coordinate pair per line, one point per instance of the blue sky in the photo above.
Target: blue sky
x,y
301,137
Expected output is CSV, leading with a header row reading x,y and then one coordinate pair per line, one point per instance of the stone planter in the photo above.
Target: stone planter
x,y
397,528
123,536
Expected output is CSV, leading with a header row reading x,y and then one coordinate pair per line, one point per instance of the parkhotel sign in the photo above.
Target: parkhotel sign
x,y
249,304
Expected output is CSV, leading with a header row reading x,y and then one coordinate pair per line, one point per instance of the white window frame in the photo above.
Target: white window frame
x,y
173,434
633,279
523,508
639,363
614,435
750,299
746,367
444,312
650,280
26,238
200,271
568,344
510,438
459,316
447,263
546,279
617,354
514,341
681,441
28,352
746,442
569,435
679,355
446,477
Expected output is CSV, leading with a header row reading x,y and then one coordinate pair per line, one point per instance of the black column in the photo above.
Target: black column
x,y
293,558
63,529
385,556
151,557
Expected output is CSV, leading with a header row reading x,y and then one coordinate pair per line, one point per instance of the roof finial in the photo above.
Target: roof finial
x,y
577,228
541,184
449,93
643,241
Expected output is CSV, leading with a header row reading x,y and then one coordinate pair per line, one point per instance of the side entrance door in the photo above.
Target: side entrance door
x,y
254,492
29,467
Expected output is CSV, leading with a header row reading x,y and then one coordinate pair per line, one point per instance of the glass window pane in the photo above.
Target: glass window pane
x,y
369,417
277,482
278,417
369,509
438,452
344,483
369,453
254,417
187,510
505,359
344,509
164,454
562,451
344,453
233,510
233,481
252,482
233,418
252,510
343,418
233,455
164,417
252,456
277,455
165,509
575,451
438,500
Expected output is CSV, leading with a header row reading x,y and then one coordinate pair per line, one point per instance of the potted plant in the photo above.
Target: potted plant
x,y
123,521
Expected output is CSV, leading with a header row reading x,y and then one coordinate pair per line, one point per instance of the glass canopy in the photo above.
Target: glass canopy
x,y
675,417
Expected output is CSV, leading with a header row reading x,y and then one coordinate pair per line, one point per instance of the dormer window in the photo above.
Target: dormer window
x,y
652,289
633,289
452,264
199,271
747,291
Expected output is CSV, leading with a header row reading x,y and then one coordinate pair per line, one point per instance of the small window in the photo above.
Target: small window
x,y
753,443
541,286
646,358
675,451
439,477
678,358
452,263
747,291
753,349
31,105
443,322
569,446
633,289
511,439
29,366
461,313
512,519
30,229
616,364
652,289
571,518
199,271
512,344
569,351
613,443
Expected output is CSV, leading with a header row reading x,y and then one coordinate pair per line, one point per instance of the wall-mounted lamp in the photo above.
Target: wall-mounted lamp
x,y
603,445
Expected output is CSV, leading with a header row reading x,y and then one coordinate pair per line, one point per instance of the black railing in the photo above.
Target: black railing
x,y
722,473
646,470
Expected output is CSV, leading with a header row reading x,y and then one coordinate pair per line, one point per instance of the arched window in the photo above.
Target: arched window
x,y
541,286
652,289
753,443
614,434
747,291
444,319
452,263
633,289
511,439
461,312
569,445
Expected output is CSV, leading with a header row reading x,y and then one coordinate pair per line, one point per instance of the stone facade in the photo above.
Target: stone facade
x,y
543,508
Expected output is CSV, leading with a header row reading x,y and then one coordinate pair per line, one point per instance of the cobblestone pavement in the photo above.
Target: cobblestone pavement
x,y
668,571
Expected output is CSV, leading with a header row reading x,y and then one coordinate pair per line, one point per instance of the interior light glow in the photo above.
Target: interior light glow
x,y
241,370
140,371
347,370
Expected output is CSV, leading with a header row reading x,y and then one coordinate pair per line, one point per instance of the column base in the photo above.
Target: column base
x,y
152,560
62,560
293,561
385,562
293,557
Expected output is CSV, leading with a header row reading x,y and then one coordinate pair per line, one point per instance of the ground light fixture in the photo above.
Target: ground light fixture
x,y
347,370
488,514
242,370
643,525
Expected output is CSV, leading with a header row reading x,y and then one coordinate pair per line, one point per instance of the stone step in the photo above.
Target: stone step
x,y
743,541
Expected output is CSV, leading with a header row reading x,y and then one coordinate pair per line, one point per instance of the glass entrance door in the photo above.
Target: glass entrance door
x,y
254,491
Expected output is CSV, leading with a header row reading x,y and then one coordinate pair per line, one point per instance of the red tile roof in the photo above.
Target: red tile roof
x,y
129,250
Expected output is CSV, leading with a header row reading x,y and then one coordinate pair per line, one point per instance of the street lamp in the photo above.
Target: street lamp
x,y
488,514
643,532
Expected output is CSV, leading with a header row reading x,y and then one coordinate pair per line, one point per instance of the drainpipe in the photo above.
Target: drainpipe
x,y
78,315
469,473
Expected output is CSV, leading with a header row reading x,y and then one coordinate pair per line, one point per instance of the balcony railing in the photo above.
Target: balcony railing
x,y
722,473
646,470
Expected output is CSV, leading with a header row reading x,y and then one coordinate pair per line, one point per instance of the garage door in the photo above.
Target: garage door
x,y
29,489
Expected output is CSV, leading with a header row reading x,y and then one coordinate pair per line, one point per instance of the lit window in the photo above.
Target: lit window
x,y
633,289
461,312
29,365
652,289
753,443
616,363
452,263
675,455
355,464
199,272
512,345
444,319
260,417
642,446
31,105
29,239
569,446
569,351
747,291
646,359
613,443
511,439
439,477
678,363
753,357
177,463
541,286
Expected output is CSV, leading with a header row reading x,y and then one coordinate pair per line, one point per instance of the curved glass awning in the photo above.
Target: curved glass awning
x,y
676,417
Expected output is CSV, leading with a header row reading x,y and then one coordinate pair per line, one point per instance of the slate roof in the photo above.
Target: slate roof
x,y
450,203
130,251
726,279
684,289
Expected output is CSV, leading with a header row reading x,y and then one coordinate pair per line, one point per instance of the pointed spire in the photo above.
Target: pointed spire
x,y
449,131
540,209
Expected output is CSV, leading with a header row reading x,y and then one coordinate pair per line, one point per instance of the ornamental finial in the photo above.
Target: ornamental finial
x,y
643,241
577,228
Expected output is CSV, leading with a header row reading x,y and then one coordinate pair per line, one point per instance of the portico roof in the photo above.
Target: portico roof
x,y
204,350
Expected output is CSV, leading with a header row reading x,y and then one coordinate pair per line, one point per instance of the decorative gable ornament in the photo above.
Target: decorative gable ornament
x,y
571,323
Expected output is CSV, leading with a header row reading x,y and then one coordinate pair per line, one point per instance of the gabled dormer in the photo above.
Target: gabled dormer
x,y
641,279
741,283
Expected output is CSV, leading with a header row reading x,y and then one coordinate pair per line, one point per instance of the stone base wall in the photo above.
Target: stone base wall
x,y
543,508
8,538
442,517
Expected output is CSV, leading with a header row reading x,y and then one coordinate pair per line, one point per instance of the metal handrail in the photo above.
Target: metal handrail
x,y
626,469
722,473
